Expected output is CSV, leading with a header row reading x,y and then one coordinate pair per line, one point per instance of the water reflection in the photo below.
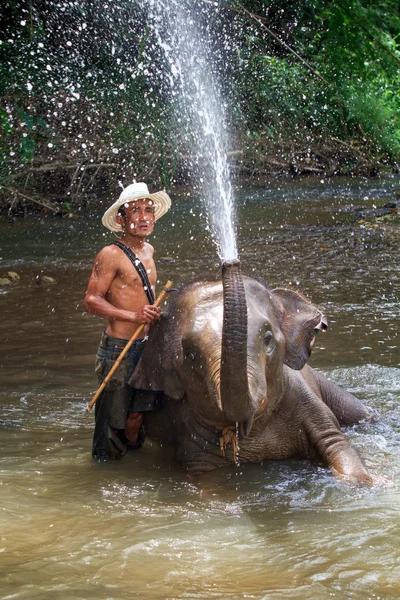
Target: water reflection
x,y
143,528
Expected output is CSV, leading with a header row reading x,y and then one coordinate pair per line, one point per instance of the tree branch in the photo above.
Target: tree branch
x,y
260,21
25,197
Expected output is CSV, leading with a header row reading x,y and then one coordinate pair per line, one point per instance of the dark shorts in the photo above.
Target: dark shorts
x,y
118,398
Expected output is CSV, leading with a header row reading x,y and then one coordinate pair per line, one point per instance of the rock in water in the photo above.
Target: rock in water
x,y
44,279
13,276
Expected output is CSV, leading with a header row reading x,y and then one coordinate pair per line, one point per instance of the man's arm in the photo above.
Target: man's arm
x,y
103,273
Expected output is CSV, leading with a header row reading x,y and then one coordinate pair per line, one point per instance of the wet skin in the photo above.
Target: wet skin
x,y
115,291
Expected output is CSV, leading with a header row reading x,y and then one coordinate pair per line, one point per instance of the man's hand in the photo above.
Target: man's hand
x,y
147,314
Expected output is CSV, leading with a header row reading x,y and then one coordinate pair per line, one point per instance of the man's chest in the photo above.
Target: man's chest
x,y
128,272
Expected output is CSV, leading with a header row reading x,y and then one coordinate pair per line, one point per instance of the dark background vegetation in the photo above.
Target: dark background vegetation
x,y
313,87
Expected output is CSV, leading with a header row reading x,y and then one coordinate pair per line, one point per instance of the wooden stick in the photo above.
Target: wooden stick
x,y
161,297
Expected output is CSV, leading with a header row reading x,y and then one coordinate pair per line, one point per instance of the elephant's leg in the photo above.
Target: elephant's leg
x,y
197,446
197,460
344,461
346,407
197,455
332,445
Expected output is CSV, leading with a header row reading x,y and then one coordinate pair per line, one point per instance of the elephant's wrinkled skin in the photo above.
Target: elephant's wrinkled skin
x,y
284,408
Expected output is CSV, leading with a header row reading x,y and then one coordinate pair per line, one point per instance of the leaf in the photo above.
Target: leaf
x,y
26,118
5,122
27,148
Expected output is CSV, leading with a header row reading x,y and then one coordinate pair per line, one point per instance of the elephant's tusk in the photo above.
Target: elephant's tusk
x,y
245,427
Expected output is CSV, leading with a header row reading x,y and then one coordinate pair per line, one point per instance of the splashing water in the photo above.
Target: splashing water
x,y
237,447
200,112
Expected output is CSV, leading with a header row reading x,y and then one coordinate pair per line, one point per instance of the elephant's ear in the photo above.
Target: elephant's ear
x,y
156,369
300,322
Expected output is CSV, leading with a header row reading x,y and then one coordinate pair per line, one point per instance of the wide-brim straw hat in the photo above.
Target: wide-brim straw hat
x,y
136,191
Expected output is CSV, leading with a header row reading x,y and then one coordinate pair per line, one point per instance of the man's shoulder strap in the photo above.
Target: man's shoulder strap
x,y
139,268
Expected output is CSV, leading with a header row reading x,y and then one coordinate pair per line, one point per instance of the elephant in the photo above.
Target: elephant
x,y
230,358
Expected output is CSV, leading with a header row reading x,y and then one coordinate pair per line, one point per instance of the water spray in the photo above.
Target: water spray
x,y
200,112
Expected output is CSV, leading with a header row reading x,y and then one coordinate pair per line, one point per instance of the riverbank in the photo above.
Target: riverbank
x,y
62,184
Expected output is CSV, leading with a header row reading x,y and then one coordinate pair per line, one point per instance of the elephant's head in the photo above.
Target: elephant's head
x,y
224,347
262,331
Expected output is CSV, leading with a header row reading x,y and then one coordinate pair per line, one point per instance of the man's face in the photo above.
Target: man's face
x,y
139,217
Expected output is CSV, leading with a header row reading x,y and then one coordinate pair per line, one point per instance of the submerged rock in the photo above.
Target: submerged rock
x,y
44,279
390,208
5,281
13,276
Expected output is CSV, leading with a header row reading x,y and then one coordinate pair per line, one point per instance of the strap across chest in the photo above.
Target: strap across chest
x,y
138,265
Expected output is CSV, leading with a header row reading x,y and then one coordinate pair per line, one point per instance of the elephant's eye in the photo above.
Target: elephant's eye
x,y
268,337
191,355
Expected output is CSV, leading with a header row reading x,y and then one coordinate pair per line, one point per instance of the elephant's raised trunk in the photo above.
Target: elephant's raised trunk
x,y
235,398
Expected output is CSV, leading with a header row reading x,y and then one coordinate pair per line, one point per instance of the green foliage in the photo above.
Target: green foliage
x,y
286,100
5,133
374,111
20,135
88,78
356,39
340,79
27,149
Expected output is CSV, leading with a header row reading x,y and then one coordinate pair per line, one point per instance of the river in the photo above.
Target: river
x,y
142,528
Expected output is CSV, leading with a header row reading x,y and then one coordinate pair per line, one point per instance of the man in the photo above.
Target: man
x,y
121,289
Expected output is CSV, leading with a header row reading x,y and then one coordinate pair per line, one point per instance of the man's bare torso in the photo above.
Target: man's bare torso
x,y
126,290
116,284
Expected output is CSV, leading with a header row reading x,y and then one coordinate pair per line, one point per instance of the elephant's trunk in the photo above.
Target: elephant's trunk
x,y
235,398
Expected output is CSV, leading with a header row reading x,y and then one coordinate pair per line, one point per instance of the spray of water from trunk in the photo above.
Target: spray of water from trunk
x,y
200,111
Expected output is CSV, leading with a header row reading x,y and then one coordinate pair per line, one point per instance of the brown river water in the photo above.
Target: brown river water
x,y
142,528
